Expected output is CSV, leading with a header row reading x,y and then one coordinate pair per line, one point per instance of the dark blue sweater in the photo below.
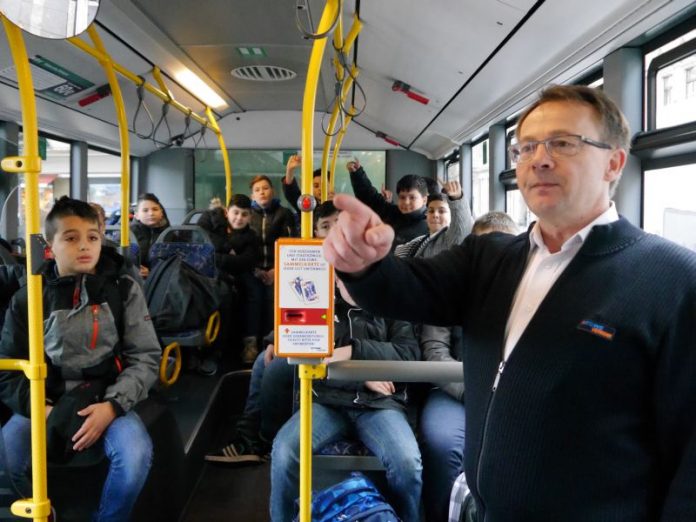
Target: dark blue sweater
x,y
583,426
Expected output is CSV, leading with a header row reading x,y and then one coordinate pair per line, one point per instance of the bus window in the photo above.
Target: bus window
x,y
480,175
669,208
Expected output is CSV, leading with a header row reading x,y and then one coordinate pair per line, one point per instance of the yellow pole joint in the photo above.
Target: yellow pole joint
x,y
27,508
157,74
21,164
312,371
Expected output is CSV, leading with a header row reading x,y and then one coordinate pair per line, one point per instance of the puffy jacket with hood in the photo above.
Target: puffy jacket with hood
x,y
85,336
244,242
146,236
270,223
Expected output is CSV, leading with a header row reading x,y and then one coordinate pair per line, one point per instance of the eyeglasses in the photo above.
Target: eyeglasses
x,y
558,147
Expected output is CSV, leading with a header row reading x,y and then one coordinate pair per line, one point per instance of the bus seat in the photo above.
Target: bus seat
x,y
192,217
190,242
347,455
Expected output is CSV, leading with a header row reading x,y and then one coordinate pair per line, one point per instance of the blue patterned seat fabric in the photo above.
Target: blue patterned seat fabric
x,y
200,256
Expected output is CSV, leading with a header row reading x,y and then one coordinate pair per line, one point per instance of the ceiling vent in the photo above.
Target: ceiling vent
x,y
263,73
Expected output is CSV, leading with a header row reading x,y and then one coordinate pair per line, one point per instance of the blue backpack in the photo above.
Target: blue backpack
x,y
356,499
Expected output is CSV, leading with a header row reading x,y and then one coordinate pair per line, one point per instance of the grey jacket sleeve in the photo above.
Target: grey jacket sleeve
x,y
435,344
461,224
140,350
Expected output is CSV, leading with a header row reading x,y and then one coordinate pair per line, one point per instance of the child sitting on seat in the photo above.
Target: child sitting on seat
x,y
101,351
373,412
149,221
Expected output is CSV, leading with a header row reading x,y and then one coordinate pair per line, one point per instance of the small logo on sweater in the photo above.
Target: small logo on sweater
x,y
598,329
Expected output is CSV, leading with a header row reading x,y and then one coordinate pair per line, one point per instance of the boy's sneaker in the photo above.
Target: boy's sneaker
x,y
250,350
237,451
207,367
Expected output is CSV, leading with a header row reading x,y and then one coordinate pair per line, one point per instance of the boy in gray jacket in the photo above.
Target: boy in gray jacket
x,y
102,356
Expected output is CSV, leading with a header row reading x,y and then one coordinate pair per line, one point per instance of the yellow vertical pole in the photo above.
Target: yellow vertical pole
x,y
108,66
306,372
38,507
225,157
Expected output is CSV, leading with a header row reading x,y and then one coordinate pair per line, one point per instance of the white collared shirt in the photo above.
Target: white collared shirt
x,y
543,269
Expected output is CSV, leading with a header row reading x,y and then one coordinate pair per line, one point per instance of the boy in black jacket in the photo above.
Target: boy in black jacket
x,y
237,252
407,216
101,351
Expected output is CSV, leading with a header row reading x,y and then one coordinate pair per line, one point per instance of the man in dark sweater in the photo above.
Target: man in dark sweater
x,y
580,381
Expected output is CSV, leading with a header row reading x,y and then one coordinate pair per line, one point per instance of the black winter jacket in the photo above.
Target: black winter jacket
x,y
270,224
245,244
406,226
372,338
146,236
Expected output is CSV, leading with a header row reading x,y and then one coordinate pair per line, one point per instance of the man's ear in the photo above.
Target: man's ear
x,y
617,161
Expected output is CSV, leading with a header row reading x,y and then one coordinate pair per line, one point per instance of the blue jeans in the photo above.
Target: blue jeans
x,y
385,432
442,441
128,447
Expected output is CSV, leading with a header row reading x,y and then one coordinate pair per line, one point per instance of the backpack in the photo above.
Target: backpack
x,y
356,499
178,297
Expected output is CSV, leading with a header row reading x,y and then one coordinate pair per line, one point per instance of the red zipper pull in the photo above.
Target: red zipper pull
x,y
95,325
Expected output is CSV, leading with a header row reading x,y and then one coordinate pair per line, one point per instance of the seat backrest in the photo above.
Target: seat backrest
x,y
191,243
192,217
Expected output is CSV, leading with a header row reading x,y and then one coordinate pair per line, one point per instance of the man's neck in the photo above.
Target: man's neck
x,y
555,234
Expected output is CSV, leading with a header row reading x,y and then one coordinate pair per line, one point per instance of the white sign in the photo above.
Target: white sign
x,y
304,300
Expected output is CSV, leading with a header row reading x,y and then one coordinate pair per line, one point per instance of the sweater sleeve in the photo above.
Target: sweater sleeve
x,y
675,403
365,192
461,224
435,342
291,191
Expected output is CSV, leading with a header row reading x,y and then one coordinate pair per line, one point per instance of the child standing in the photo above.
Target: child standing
x,y
98,336
270,221
237,252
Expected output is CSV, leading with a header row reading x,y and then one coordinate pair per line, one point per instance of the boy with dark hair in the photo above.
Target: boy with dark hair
x,y
237,252
101,352
407,216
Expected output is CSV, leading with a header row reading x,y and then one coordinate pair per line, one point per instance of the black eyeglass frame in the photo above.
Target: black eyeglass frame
x,y
515,153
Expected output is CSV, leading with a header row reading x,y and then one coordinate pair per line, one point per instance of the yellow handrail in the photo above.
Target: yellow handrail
x,y
165,95
38,507
328,185
225,157
308,372
108,66
325,182
137,80
339,138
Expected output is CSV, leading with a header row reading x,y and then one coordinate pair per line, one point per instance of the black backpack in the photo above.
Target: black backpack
x,y
179,298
